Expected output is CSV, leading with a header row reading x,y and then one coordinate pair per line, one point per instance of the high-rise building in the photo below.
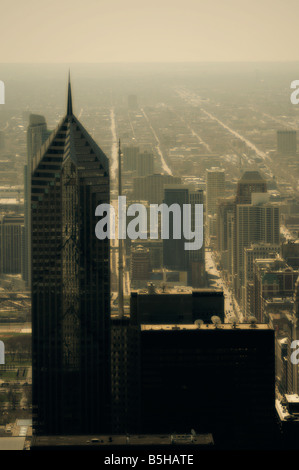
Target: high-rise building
x,y
130,157
174,254
272,278
197,257
70,283
224,208
140,264
254,223
37,134
145,164
11,244
255,220
287,142
151,188
255,251
250,182
215,188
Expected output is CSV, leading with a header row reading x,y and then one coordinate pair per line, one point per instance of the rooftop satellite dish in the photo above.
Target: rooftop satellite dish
x,y
233,320
253,321
198,323
216,320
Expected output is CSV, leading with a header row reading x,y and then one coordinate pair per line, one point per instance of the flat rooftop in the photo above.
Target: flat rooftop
x,y
207,326
123,440
179,290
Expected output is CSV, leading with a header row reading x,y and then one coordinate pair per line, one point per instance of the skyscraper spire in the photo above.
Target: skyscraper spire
x,y
69,98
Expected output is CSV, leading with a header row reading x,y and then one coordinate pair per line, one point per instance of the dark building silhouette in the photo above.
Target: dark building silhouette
x,y
174,254
250,182
215,380
70,284
37,134
176,307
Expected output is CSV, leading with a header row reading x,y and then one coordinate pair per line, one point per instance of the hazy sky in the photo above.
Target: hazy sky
x,y
148,30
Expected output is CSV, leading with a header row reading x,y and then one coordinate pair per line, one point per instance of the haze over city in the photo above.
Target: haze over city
x,y
136,344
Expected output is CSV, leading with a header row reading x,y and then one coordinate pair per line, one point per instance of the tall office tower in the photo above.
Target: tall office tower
x,y
37,134
11,244
286,142
174,254
255,251
151,188
155,248
196,257
250,182
254,223
130,156
224,208
215,188
70,284
218,380
145,164
272,278
140,264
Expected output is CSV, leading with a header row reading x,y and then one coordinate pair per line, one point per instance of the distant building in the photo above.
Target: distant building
x,y
130,156
11,244
250,182
257,222
155,248
290,252
255,251
286,142
151,188
272,278
215,188
140,264
174,254
145,164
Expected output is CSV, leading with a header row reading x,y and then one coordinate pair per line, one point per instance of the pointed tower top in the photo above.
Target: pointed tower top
x,y
69,98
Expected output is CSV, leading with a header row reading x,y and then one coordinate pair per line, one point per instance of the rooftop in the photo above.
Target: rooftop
x,y
120,440
206,326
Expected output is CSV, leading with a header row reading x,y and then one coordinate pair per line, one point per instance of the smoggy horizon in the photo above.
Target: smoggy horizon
x,y
140,32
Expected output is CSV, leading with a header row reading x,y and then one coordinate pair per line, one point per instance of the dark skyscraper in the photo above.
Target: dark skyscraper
x,y
70,284
174,254
37,134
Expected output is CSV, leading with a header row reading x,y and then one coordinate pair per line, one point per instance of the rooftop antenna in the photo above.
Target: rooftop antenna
x,y
120,248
